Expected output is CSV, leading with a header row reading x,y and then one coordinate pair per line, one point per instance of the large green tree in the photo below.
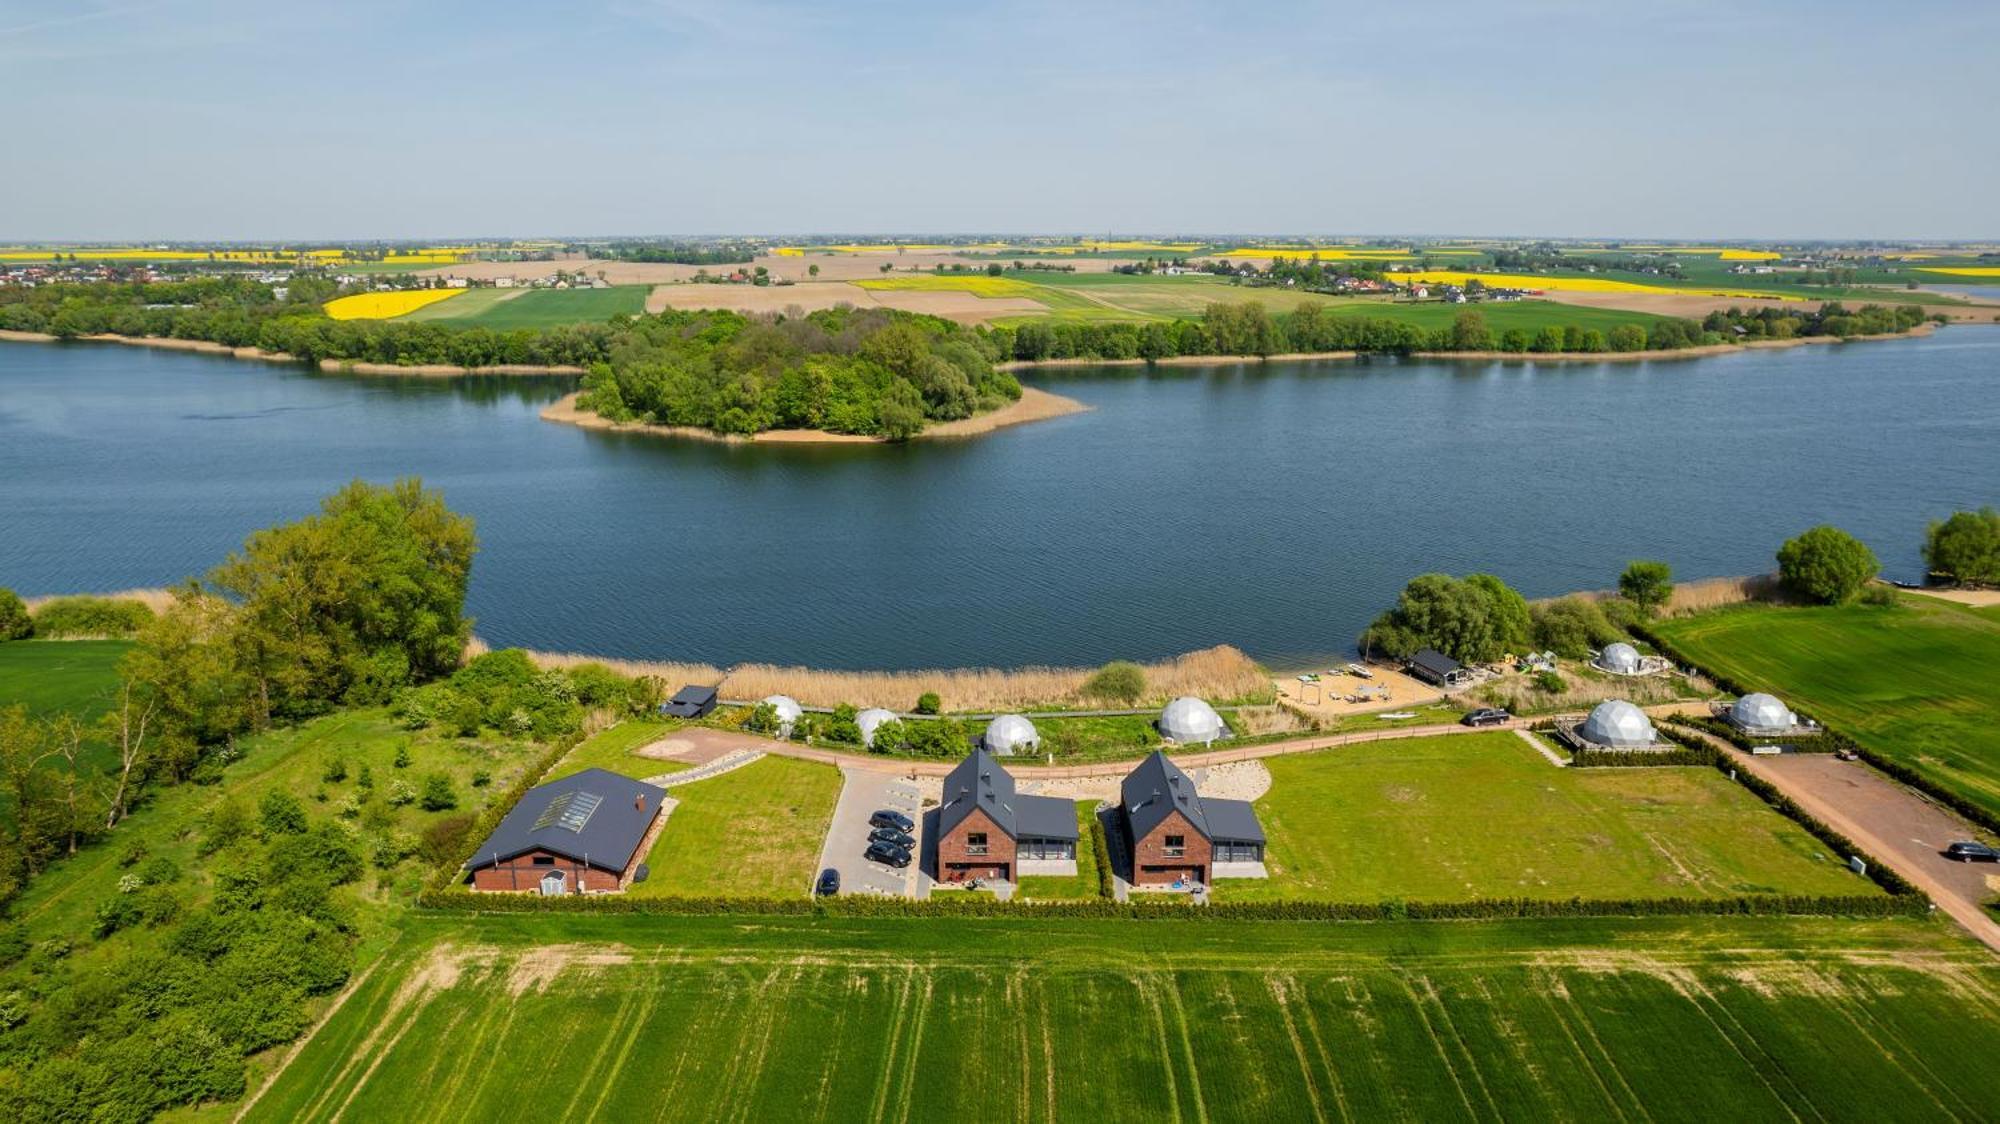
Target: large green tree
x,y
1965,548
1471,620
1649,585
1826,564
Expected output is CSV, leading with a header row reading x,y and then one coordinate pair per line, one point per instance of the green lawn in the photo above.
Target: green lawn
x,y
1486,816
612,749
1918,682
751,832
549,308
847,1019
1084,885
52,676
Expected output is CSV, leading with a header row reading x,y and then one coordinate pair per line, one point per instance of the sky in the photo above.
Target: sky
x,y
1701,119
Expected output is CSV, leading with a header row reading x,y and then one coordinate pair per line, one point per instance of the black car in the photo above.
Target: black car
x,y
892,837
888,854
1966,851
1486,716
897,820
828,884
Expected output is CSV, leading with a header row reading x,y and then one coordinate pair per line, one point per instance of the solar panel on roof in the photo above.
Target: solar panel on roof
x,y
569,811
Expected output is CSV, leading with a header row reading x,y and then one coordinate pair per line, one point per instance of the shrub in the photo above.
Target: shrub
x,y
402,759
889,737
15,624
335,770
763,719
438,796
1826,564
1570,626
928,703
90,616
1964,548
1649,585
400,794
447,840
1551,683
280,813
1118,681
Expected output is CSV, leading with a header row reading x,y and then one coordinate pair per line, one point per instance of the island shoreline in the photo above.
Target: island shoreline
x,y
1034,405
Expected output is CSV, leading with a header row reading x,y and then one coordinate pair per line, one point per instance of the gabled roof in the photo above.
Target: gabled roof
x,y
980,782
1157,789
1434,662
594,816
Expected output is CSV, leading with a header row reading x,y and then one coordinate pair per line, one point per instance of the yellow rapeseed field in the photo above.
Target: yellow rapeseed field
x,y
1962,270
1563,284
971,283
1750,255
1324,253
383,306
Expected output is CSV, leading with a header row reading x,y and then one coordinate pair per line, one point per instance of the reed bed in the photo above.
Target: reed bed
x,y
158,600
1220,674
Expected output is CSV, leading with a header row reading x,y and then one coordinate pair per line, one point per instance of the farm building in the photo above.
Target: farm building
x,y
869,719
689,702
1188,720
788,711
1010,734
985,829
1613,724
581,834
1434,667
1175,834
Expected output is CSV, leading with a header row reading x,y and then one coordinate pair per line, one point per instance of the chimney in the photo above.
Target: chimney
x,y
639,802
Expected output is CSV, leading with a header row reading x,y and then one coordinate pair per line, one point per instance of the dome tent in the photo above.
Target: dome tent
x,y
1188,720
869,719
1010,733
1618,724
1762,712
788,711
1620,658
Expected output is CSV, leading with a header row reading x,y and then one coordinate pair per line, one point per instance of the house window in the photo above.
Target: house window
x,y
1176,846
975,842
545,860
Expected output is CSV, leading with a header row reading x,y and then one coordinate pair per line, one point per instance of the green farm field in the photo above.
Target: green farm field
x,y
848,1019
754,831
1914,682
466,305
1487,816
547,308
56,676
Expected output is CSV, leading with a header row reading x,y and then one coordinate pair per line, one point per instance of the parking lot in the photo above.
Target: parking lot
x,y
863,791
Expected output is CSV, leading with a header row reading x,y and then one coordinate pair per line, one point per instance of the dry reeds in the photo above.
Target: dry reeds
x,y
1219,673
158,600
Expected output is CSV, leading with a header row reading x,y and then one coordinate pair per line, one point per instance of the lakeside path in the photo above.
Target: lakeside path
x,y
1894,824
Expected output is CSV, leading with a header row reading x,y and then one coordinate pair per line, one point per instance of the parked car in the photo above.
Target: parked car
x,y
1966,851
1486,716
897,820
828,884
892,837
887,854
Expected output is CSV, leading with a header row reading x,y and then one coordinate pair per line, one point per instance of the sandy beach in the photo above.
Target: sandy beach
x,y
1034,405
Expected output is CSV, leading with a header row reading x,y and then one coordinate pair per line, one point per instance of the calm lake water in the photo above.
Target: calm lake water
x,y
1276,508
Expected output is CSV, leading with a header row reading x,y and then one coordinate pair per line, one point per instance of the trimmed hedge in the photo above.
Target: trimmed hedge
x,y
1681,755
1102,852
1156,908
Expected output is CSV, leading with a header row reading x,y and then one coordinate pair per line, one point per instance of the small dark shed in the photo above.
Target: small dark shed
x,y
1433,666
689,702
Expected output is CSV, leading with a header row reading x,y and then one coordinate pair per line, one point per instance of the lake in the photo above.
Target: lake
x,y
1274,507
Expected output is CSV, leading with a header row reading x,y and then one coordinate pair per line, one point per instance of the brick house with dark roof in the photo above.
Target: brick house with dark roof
x,y
1175,834
985,829
582,834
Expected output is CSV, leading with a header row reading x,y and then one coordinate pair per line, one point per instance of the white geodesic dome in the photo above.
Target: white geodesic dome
x,y
788,709
1621,657
1619,724
869,719
1762,712
1188,720
1010,733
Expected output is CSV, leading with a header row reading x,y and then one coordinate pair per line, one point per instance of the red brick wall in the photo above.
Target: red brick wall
x,y
521,873
1152,851
999,856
